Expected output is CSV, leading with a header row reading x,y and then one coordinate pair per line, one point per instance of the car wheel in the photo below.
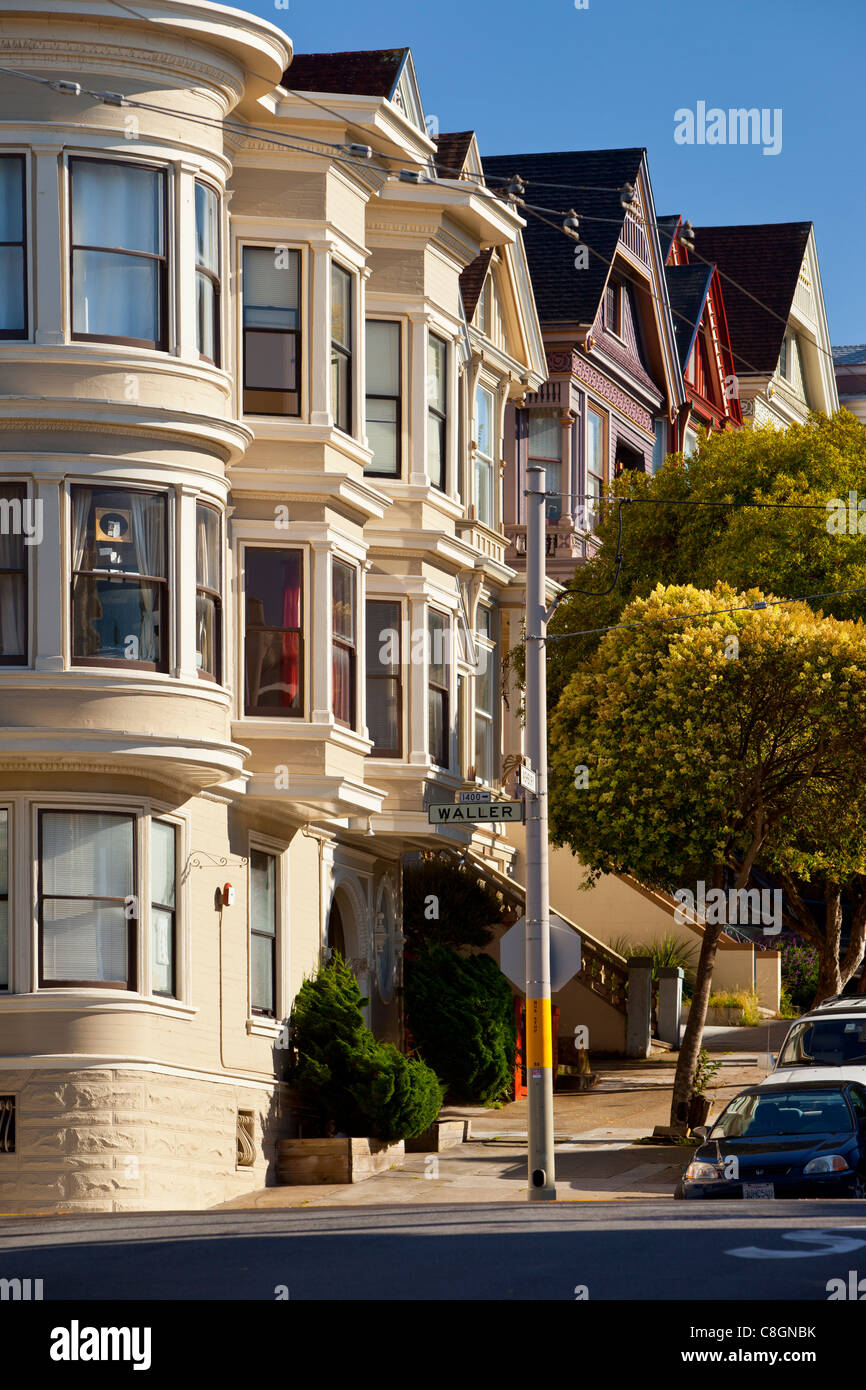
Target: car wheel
x,y
678,1191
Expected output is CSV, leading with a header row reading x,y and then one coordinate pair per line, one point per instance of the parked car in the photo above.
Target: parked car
x,y
802,1140
830,1041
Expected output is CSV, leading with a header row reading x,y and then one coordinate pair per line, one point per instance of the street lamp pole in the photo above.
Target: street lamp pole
x,y
539,1040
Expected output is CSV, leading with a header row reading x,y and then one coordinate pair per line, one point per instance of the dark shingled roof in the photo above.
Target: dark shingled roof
x,y
688,286
451,152
765,260
472,282
562,293
667,226
849,355
370,73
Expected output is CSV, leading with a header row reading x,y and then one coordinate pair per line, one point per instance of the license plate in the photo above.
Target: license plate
x,y
758,1189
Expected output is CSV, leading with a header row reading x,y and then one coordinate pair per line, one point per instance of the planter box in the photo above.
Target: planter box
x,y
442,1134
335,1160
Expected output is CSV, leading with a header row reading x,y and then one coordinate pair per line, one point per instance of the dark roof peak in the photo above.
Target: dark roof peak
x,y
369,72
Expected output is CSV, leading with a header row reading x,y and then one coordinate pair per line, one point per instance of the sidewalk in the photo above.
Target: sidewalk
x,y
596,1157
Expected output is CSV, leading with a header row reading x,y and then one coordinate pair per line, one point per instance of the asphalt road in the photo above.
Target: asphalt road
x,y
647,1251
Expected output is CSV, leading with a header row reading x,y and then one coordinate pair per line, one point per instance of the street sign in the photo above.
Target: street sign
x,y
446,813
564,953
476,797
527,777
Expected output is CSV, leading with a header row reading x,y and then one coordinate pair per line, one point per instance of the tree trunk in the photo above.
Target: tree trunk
x,y
829,978
690,1047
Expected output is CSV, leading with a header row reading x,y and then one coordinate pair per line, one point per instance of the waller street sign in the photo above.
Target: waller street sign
x,y
445,813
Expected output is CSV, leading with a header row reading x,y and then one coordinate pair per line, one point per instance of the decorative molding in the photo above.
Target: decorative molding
x,y
129,57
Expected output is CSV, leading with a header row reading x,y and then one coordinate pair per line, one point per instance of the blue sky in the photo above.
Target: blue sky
x,y
546,76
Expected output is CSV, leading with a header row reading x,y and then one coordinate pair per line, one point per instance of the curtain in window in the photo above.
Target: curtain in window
x,y
13,638
86,859
116,208
87,609
149,537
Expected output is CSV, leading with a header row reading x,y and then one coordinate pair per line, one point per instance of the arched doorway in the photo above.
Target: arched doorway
x,y
336,940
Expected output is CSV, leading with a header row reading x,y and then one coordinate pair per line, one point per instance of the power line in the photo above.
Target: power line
x,y
689,502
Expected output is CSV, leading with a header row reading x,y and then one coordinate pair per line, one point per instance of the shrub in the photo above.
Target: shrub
x,y
460,1010
666,952
355,1084
800,964
745,999
465,906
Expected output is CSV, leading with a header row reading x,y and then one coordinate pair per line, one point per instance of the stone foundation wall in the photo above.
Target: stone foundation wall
x,y
124,1139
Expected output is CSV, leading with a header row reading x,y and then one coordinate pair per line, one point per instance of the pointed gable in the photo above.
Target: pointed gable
x,y
688,288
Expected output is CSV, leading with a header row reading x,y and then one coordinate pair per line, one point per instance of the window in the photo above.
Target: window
x,y
439,731
163,879
208,601
613,307
545,450
13,575
263,933
341,347
273,649
485,695
119,584
484,315
485,507
207,273
437,397
384,690
4,899
783,357
660,427
87,917
690,442
119,262
272,339
13,248
383,397
595,470
343,664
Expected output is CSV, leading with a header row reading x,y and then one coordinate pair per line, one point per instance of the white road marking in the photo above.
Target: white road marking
x,y
832,1243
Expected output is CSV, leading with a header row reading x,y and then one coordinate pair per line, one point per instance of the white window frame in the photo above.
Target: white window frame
x,y
29,243
304,326
486,460
261,1024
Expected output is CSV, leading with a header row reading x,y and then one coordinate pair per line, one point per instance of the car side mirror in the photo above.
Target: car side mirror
x,y
772,1059
702,1131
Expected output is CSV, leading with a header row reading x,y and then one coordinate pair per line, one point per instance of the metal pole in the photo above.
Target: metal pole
x,y
539,1042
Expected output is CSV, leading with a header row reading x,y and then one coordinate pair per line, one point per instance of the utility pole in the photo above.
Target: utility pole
x,y
539,1041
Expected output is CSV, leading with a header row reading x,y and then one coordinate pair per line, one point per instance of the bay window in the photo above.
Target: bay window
x,y
272,339
4,899
341,347
485,472
383,397
545,451
595,470
343,642
384,686
485,695
87,907
118,245
273,642
119,578
13,247
207,273
437,397
13,575
263,933
438,714
163,880
208,600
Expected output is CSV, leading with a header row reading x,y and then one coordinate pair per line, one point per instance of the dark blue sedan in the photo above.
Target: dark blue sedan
x,y
801,1140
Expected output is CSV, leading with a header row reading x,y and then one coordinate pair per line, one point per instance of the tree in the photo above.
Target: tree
x,y
445,904
704,754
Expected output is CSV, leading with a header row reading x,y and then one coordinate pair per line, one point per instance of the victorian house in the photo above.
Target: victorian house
x,y
255,627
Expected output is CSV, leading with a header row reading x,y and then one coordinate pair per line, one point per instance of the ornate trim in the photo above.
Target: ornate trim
x,y
129,57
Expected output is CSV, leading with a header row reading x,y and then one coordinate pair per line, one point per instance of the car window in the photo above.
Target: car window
x,y
858,1101
830,1042
795,1112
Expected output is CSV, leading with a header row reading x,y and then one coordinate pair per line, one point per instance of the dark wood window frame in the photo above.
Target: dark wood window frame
x,y
375,676
121,663
132,923
12,334
294,333
215,279
272,937
215,595
266,711
160,344
19,659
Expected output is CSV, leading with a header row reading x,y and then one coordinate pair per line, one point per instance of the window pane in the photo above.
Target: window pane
x,y
118,621
383,437
4,905
206,316
11,198
87,854
206,228
383,714
162,951
12,316
84,940
383,358
162,863
121,532
270,361
4,945
484,682
207,537
273,587
437,353
13,632
594,443
383,638
263,892
273,652
436,451
343,595
4,853
116,296
341,306
484,490
437,704
271,287
341,387
545,437
273,672
343,678
117,205
483,747
484,421
436,629
262,974
553,483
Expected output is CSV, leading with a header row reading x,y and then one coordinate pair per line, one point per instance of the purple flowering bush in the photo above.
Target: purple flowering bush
x,y
799,971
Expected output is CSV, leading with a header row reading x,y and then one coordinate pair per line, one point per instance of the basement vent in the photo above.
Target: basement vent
x,y
246,1148
7,1124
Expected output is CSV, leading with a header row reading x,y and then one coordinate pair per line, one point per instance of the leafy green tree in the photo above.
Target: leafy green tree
x,y
352,1082
446,904
460,1010
711,742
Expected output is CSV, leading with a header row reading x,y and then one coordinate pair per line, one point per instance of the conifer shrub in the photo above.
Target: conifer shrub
x,y
352,1083
460,1011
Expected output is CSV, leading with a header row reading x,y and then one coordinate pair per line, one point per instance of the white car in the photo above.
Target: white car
x,y
826,1044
